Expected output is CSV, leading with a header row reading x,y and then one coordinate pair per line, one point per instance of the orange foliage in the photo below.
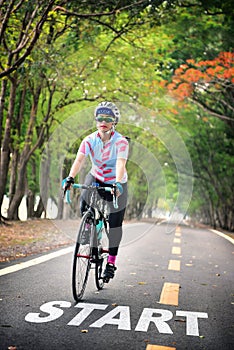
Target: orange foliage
x,y
209,71
226,58
183,90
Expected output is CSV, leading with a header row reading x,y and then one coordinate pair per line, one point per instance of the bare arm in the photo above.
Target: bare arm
x,y
77,165
120,169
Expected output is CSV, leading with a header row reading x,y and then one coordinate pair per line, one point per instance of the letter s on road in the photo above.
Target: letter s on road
x,y
49,308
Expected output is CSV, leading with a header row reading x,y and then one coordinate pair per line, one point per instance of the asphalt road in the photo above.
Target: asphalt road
x,y
172,290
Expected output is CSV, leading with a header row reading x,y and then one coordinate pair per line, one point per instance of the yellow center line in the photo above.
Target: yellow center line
x,y
177,240
178,234
170,294
176,250
174,265
158,347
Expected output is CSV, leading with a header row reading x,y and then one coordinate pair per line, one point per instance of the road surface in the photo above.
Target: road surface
x,y
173,290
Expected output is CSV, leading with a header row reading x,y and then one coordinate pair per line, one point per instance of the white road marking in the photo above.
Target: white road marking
x,y
192,321
83,314
35,261
230,239
123,322
49,308
119,316
160,322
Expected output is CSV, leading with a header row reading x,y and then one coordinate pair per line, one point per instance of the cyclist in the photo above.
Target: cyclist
x,y
108,151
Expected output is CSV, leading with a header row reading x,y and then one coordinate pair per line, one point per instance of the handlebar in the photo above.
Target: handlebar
x,y
92,187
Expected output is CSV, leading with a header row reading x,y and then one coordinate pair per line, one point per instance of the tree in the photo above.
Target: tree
x,y
209,84
43,24
211,150
21,26
41,67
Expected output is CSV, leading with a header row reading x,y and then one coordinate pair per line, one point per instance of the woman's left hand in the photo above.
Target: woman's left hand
x,y
119,189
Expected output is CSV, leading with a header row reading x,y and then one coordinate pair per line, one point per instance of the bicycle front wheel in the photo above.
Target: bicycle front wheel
x,y
82,256
102,256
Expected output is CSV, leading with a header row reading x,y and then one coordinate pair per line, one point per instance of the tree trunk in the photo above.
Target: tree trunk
x,y
60,198
19,193
40,209
60,209
24,158
149,213
6,143
44,178
13,176
30,200
2,106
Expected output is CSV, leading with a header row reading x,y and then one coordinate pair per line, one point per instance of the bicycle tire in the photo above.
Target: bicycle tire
x,y
102,260
81,259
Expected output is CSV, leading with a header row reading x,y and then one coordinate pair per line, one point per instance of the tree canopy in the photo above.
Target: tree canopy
x,y
58,58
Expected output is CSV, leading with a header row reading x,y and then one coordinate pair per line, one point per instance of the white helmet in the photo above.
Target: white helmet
x,y
108,108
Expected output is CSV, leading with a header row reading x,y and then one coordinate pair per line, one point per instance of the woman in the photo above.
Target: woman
x,y
108,151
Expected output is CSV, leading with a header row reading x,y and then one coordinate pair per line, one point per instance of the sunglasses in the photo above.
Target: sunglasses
x,y
105,119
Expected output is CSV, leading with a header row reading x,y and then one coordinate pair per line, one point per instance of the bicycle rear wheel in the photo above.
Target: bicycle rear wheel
x,y
82,256
102,258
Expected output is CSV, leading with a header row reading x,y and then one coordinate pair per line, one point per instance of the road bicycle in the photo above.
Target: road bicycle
x,y
92,239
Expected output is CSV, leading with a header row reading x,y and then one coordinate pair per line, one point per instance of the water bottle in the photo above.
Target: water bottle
x,y
99,227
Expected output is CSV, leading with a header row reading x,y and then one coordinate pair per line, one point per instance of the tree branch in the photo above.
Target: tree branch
x,y
5,19
35,38
99,14
210,110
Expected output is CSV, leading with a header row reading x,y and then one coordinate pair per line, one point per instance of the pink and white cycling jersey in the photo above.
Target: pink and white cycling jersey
x,y
104,155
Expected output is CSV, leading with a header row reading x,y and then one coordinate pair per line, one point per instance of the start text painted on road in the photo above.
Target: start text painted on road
x,y
123,321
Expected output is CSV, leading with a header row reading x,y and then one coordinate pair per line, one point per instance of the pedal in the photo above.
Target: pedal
x,y
106,279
